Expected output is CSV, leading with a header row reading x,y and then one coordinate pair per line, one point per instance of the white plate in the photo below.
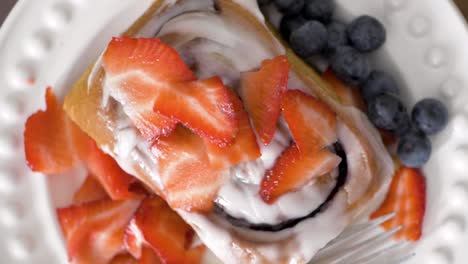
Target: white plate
x,y
51,42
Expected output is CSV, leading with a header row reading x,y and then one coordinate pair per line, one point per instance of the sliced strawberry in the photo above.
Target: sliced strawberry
x,y
147,73
261,93
203,106
407,199
244,147
149,55
124,259
312,123
137,246
115,181
293,170
165,232
94,231
148,256
347,95
47,141
151,61
150,124
134,240
189,180
90,191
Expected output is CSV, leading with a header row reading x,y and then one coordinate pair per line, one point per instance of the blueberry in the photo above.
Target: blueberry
x,y
366,33
387,112
430,116
290,23
378,83
309,39
263,2
289,7
336,37
350,66
414,150
321,10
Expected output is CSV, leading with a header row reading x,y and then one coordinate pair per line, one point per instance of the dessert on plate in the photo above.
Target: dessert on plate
x,y
199,127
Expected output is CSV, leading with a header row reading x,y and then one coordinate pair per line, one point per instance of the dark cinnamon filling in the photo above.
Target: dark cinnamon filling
x,y
341,180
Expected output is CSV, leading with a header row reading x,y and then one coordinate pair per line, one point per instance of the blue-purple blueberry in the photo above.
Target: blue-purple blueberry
x,y
379,83
290,23
414,149
430,116
350,66
366,33
386,111
337,37
321,10
309,39
289,7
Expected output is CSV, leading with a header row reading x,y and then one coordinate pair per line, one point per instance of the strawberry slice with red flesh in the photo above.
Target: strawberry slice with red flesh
x,y
190,182
124,259
137,246
90,191
147,74
94,231
244,148
347,95
261,92
158,227
48,143
148,256
407,199
115,181
154,63
293,170
204,106
312,123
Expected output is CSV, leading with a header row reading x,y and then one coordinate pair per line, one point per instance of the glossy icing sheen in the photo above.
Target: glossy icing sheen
x,y
202,34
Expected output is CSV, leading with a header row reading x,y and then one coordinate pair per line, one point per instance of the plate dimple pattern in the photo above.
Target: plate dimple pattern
x,y
18,222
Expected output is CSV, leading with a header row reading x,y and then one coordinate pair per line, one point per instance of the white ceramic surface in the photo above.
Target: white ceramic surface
x,y
50,42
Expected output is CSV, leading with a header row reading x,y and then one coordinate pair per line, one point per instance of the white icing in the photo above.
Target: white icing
x,y
280,141
232,41
171,10
242,201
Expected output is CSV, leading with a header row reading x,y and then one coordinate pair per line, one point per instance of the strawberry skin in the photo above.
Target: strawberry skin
x,y
261,92
115,181
124,259
244,148
407,199
90,191
148,256
190,182
312,123
94,231
204,106
48,139
165,232
293,170
149,60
